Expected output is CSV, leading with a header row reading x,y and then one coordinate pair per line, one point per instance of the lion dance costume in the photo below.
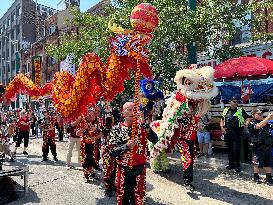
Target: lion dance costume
x,y
195,88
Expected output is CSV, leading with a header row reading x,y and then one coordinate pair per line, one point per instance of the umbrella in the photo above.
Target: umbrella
x,y
243,67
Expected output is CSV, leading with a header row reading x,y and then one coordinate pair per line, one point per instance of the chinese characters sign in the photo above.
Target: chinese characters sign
x,y
37,69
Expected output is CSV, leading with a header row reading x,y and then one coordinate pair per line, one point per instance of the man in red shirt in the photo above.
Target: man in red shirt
x,y
48,128
73,140
23,125
131,158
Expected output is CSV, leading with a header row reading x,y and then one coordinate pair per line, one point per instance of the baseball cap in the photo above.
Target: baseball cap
x,y
233,99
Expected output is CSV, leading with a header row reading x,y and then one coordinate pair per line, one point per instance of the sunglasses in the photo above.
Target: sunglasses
x,y
235,101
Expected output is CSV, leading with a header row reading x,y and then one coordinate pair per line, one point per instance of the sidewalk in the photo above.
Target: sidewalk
x,y
218,161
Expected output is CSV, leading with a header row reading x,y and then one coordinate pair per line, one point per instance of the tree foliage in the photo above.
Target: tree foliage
x,y
212,26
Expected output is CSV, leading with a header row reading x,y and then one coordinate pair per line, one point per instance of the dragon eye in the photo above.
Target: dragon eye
x,y
149,86
187,82
202,78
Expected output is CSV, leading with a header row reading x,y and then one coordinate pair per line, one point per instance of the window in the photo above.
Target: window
x,y
12,34
12,16
13,64
8,67
51,61
51,30
17,30
12,49
18,10
7,53
1,30
8,22
4,25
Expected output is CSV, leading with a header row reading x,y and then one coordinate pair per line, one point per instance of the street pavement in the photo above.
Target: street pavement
x,y
51,183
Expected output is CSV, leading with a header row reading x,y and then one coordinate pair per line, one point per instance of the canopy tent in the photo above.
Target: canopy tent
x,y
243,67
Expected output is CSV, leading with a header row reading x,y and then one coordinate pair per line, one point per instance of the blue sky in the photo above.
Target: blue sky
x,y
85,4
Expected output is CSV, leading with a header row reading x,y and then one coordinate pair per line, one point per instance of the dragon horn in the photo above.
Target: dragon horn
x,y
117,29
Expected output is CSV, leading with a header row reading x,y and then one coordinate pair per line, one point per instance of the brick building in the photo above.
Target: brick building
x,y
16,29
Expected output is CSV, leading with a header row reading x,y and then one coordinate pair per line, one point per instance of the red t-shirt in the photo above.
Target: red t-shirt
x,y
21,126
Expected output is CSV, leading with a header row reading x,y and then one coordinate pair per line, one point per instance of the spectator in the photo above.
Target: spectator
x,y
73,140
23,131
203,134
262,142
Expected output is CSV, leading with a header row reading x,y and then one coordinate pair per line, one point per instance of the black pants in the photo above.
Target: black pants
x,y
130,182
45,148
61,133
22,135
33,131
188,173
234,149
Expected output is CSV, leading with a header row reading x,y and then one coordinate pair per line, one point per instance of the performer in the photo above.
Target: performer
x,y
60,127
90,133
178,127
48,128
23,131
97,146
109,162
186,135
131,158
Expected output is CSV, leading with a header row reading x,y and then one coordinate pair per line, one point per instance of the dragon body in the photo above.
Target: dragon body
x,y
72,95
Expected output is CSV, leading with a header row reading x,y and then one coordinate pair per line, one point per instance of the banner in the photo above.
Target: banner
x,y
37,69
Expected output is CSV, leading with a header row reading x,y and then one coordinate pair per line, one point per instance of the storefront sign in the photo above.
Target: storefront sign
x,y
37,69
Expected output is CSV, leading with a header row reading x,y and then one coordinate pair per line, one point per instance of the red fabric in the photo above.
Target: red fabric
x,y
22,127
243,66
88,138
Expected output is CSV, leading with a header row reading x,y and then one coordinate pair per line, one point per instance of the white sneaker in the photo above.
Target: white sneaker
x,y
68,166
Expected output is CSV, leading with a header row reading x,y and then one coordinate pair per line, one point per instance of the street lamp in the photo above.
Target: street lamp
x,y
192,55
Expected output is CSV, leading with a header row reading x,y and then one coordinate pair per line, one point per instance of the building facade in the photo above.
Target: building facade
x,y
242,40
20,26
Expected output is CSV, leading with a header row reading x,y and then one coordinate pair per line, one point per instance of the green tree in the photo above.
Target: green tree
x,y
212,26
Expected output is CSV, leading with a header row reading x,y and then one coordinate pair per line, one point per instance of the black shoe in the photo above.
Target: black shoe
x,y
98,169
269,181
91,178
257,180
94,176
55,159
44,159
200,155
25,153
189,186
237,169
11,159
230,167
109,193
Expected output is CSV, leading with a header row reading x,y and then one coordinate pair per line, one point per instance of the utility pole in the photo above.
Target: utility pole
x,y
192,54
